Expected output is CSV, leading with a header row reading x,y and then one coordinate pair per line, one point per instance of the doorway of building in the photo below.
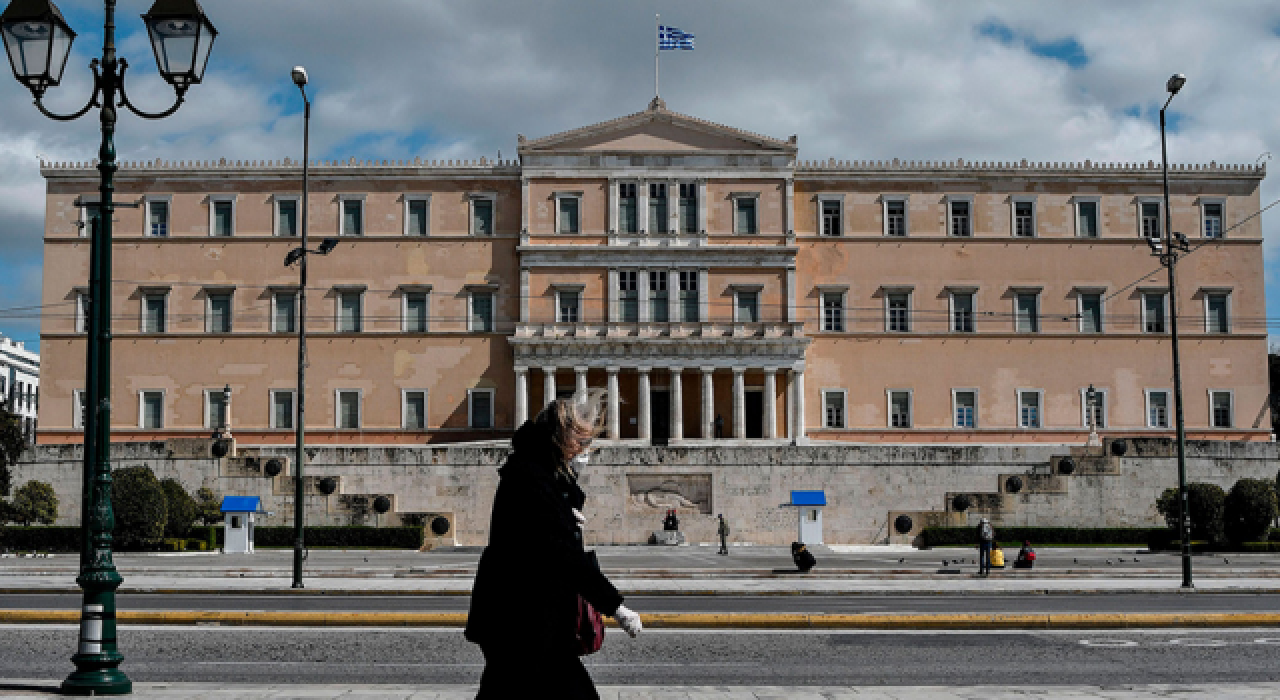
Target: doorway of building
x,y
754,405
660,416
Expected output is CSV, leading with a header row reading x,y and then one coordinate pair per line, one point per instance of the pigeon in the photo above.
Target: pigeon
x,y
1226,561
945,562
902,561
1075,561
1108,562
366,559
1135,560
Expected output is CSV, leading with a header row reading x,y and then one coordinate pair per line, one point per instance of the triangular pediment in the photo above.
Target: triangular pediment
x,y
656,130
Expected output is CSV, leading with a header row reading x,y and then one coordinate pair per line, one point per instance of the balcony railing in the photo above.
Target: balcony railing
x,y
708,329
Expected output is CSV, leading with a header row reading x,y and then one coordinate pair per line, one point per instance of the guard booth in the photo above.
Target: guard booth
x,y
238,513
809,505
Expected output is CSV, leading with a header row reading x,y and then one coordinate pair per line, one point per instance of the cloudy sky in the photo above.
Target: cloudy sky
x,y
460,78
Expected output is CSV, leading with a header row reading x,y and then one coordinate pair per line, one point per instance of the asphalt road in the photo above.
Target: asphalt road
x,y
352,656
1117,603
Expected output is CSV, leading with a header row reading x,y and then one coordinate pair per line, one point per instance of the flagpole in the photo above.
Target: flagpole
x,y
657,44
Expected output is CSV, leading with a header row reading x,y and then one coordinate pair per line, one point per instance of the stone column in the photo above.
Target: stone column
x,y
739,404
611,297
522,395
524,296
580,379
677,405
548,385
708,404
675,310
770,403
642,406
797,381
613,432
704,295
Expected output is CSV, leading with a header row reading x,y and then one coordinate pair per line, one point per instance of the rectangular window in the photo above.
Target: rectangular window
x,y
1027,312
748,307
151,410
1157,408
689,207
284,312
628,296
895,217
348,417
658,311
1220,408
482,312
1029,409
482,217
416,213
215,405
481,408
831,217
898,305
219,310
154,312
415,410
1090,312
658,208
78,416
569,301
223,217
1216,320
960,218
350,312
82,312
158,218
1024,219
1087,219
282,411
1153,315
1212,219
899,409
286,217
833,312
689,295
966,408
567,209
962,312
1151,219
1099,408
415,312
744,215
628,215
833,409
352,217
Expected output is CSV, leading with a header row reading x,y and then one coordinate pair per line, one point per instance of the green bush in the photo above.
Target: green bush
x,y
35,502
40,539
1205,501
1013,536
355,536
208,507
140,508
1250,507
180,509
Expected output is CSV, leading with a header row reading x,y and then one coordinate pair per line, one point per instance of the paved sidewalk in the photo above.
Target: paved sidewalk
x,y
173,691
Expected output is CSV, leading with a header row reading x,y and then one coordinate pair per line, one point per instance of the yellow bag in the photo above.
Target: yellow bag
x,y
997,558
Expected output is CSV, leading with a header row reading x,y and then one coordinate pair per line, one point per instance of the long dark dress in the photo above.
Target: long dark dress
x,y
524,602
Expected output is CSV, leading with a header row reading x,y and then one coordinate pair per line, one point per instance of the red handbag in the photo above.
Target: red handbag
x,y
590,628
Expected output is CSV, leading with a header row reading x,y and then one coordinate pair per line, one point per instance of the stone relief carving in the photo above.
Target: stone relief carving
x,y
660,492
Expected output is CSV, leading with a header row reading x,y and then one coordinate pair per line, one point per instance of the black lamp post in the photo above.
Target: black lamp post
x,y
38,42
1168,250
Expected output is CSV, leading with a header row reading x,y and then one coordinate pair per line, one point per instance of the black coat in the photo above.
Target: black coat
x,y
529,578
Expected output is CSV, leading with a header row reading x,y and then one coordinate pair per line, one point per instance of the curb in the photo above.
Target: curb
x,y
660,593
752,621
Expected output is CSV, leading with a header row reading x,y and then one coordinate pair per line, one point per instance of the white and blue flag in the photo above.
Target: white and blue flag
x,y
672,38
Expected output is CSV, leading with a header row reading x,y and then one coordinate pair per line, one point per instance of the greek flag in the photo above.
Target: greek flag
x,y
671,38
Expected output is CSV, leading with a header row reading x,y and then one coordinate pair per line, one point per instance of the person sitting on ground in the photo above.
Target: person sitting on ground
x,y
1026,556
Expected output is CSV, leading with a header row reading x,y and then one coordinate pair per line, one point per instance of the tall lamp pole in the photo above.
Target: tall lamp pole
x,y
38,42
1174,245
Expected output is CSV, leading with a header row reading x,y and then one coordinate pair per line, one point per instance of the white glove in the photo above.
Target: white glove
x,y
628,620
582,519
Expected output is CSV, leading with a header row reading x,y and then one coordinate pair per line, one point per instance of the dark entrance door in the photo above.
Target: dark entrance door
x,y
754,404
660,417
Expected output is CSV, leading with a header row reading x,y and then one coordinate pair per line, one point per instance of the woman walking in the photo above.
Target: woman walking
x,y
525,602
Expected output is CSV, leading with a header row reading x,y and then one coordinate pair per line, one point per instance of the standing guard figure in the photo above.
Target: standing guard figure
x,y
723,531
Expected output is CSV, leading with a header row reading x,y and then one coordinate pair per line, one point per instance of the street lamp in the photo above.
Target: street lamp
x,y
222,435
1175,244
38,42
1091,401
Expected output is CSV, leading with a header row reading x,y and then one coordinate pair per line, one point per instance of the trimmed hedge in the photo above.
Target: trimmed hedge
x,y
339,536
967,536
40,539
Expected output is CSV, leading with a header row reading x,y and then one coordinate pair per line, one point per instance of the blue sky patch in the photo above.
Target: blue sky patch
x,y
1065,50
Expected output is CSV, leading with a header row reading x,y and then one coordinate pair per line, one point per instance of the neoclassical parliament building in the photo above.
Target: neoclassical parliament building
x,y
719,287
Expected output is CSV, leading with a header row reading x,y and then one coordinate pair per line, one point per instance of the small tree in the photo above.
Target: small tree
x,y
35,502
12,443
180,509
208,507
1249,508
1167,506
1205,501
140,507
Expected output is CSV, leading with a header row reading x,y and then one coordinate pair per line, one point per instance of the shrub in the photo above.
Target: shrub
x,y
140,508
40,539
1249,509
12,443
35,502
341,536
208,507
966,536
1167,506
180,509
1205,501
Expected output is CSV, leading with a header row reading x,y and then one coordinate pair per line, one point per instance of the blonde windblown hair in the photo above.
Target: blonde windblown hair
x,y
575,421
